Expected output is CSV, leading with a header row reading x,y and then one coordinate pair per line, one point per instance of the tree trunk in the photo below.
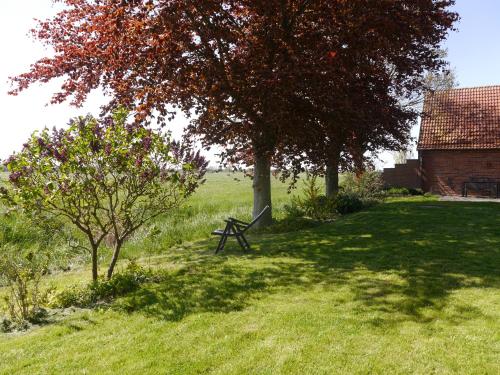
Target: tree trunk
x,y
332,175
95,274
112,265
262,189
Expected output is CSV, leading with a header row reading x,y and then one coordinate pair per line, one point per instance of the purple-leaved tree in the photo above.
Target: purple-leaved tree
x,y
106,177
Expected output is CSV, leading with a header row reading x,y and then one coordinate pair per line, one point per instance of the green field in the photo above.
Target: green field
x,y
223,195
409,286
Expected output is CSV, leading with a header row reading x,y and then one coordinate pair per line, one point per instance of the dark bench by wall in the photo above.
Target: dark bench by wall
x,y
482,187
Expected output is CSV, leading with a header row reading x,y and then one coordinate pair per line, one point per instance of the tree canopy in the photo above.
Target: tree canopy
x,y
257,77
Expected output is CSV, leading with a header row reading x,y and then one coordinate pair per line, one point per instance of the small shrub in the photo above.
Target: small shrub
x,y
402,192
293,210
346,203
103,289
75,295
397,191
6,325
359,192
21,272
312,203
356,193
369,185
416,192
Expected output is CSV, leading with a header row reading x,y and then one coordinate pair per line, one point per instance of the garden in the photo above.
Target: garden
x,y
409,285
107,261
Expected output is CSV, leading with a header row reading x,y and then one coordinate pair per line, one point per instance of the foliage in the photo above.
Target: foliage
x,y
417,191
311,203
434,81
348,202
368,185
107,178
447,80
323,71
103,290
357,193
398,191
402,156
402,191
21,272
365,113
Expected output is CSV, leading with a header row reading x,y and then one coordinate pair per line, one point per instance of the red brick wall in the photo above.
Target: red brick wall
x,y
404,175
444,172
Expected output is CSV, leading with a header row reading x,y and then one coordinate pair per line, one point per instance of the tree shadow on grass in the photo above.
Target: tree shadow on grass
x,y
399,259
212,285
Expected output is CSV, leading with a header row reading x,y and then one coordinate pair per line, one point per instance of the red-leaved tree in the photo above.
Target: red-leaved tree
x,y
254,75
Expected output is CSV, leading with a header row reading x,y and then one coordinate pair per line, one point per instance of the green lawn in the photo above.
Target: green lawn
x,y
223,195
409,286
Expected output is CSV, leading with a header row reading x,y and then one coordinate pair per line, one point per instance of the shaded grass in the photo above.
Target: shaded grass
x,y
410,286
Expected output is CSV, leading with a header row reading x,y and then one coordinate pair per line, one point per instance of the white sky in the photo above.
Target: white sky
x,y
21,115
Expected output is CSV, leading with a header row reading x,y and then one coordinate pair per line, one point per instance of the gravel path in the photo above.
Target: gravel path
x,y
468,199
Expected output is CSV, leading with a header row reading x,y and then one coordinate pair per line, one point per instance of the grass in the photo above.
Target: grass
x,y
223,195
409,286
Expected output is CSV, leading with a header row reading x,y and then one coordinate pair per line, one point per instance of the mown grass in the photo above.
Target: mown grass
x,y
409,286
223,195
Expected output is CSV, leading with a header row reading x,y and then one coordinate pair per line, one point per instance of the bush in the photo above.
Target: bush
x,y
356,194
402,191
106,177
359,192
293,210
312,203
21,272
369,185
397,191
103,289
417,191
347,203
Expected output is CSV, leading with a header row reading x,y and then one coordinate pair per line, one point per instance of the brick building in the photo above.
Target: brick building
x,y
459,145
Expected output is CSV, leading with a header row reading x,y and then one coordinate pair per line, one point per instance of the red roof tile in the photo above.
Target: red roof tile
x,y
461,119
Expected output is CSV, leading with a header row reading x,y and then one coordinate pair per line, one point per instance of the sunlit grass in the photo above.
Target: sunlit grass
x,y
223,195
410,286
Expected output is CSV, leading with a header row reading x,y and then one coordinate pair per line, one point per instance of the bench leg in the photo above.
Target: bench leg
x,y
245,242
221,244
223,237
240,241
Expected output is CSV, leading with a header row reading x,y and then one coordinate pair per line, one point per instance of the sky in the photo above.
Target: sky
x,y
473,51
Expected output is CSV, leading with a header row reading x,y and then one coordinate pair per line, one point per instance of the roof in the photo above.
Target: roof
x,y
461,119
